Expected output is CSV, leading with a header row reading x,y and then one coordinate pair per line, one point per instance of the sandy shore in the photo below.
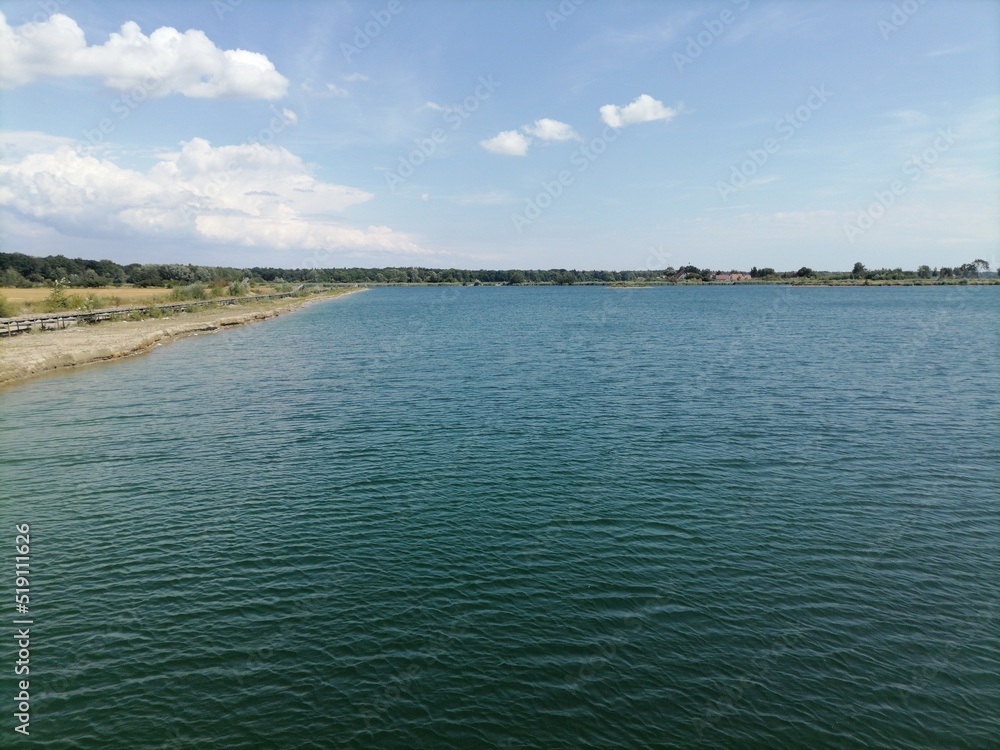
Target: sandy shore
x,y
44,351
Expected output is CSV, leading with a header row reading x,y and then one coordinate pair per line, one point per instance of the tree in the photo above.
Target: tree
x,y
859,272
967,270
924,272
804,272
516,278
12,277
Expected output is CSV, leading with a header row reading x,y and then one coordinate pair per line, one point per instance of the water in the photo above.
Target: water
x,y
523,518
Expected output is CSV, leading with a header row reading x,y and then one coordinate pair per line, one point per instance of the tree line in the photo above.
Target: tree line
x,y
20,270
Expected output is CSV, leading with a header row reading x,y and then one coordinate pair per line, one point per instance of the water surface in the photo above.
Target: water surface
x,y
524,518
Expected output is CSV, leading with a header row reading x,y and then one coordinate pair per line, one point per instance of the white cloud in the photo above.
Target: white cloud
x,y
516,143
507,143
551,130
355,77
165,62
434,106
328,90
643,109
250,195
15,143
290,117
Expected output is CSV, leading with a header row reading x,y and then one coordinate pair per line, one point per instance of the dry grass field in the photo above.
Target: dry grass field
x,y
124,294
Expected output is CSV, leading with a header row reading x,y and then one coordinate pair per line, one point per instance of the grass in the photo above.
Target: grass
x,y
16,301
40,299
122,294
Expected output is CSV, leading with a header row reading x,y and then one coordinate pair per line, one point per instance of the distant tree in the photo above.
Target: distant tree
x,y
967,271
859,271
90,278
565,278
981,265
924,272
147,275
804,272
12,277
761,273
946,273
517,277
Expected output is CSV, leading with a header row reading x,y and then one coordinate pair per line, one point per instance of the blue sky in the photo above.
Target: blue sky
x,y
580,134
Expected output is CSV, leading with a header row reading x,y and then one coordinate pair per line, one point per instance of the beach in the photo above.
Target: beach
x,y
37,353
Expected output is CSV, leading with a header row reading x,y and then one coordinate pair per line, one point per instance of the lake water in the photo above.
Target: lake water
x,y
522,518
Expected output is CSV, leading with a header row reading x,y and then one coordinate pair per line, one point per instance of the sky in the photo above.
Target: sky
x,y
518,134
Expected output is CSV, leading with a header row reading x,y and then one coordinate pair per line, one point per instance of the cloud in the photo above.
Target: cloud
x,y
22,142
330,89
551,130
434,106
944,51
514,143
355,77
250,195
507,143
290,117
165,62
643,109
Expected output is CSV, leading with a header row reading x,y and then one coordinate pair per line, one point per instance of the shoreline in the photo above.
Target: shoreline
x,y
40,353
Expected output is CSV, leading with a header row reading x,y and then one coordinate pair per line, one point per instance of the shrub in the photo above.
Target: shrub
x,y
191,291
7,309
57,299
92,302
237,289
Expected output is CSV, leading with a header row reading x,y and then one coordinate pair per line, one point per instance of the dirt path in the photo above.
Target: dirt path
x,y
43,351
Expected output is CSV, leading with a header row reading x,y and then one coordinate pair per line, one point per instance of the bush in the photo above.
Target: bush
x,y
191,291
57,299
11,277
92,302
7,309
237,289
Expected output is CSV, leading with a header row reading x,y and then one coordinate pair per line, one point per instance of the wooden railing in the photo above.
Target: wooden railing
x,y
52,321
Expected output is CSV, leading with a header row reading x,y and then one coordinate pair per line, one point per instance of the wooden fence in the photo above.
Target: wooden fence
x,y
52,321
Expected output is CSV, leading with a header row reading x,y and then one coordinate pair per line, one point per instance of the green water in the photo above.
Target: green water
x,y
522,518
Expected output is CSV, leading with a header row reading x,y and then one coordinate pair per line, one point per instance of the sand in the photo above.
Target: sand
x,y
39,352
